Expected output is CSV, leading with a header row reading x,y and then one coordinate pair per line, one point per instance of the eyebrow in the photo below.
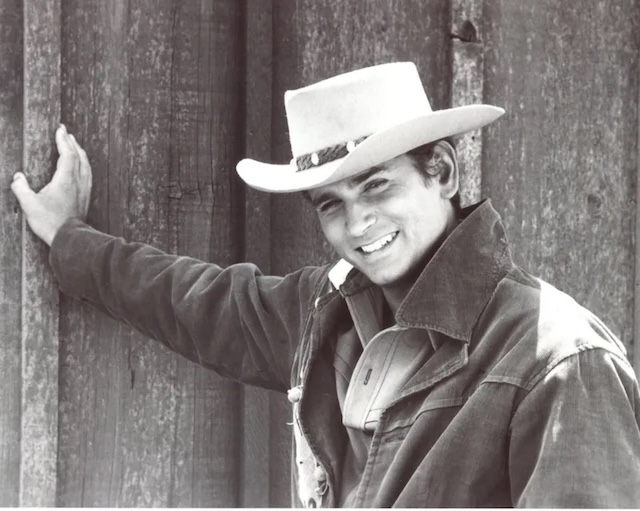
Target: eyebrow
x,y
356,180
363,176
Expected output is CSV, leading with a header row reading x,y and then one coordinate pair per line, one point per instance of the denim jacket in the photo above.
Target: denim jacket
x,y
528,399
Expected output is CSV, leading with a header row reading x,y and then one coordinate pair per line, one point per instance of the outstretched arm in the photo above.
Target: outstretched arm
x,y
235,321
66,196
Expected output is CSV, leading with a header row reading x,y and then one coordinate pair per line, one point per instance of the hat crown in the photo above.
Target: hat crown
x,y
353,105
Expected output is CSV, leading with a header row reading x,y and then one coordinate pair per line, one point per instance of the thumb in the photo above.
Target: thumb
x,y
21,189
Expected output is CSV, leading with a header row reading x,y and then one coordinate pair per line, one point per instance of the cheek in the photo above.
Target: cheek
x,y
427,220
332,232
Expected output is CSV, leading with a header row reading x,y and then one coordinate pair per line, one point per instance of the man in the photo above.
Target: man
x,y
425,368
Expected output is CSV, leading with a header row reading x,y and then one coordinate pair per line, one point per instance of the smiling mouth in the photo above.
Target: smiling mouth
x,y
377,245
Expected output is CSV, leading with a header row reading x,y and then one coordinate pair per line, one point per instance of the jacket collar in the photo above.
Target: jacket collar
x,y
456,284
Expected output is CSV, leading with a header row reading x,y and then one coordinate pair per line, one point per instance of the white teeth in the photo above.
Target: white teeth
x,y
377,245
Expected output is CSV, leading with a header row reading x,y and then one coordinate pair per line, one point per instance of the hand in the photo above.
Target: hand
x,y
66,196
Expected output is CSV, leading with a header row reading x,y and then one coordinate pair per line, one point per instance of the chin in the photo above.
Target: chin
x,y
386,279
396,276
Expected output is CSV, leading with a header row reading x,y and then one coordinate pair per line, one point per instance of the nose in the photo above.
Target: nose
x,y
359,218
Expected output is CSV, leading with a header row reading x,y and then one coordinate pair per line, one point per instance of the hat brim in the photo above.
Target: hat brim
x,y
374,150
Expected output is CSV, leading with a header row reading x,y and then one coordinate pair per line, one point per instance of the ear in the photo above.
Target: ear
x,y
448,178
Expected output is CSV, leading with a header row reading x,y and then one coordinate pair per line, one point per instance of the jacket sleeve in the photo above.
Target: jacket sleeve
x,y
234,320
575,438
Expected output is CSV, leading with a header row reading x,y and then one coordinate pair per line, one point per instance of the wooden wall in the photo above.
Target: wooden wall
x,y
166,96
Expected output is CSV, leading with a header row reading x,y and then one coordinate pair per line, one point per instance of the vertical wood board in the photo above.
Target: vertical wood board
x,y
11,117
636,295
467,80
39,417
257,469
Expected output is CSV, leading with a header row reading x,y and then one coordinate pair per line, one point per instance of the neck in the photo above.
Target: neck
x,y
394,297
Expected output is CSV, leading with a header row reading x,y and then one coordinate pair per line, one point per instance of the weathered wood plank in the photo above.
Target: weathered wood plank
x,y
466,88
39,431
11,118
635,356
95,376
152,90
256,467
561,165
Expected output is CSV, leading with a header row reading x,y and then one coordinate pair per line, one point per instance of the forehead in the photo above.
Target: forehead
x,y
395,166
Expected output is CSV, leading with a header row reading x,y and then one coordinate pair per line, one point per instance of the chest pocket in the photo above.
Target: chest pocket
x,y
387,363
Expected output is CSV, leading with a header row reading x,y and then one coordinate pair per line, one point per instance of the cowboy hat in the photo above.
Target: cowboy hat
x,y
348,123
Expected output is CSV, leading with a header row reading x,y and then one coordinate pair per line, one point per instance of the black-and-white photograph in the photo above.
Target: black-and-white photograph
x,y
320,253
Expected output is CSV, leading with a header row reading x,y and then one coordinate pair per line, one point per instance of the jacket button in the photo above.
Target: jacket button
x,y
294,394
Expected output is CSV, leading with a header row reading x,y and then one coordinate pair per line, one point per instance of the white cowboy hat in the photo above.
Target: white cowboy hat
x,y
346,124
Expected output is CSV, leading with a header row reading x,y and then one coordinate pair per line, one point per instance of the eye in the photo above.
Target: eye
x,y
328,206
375,183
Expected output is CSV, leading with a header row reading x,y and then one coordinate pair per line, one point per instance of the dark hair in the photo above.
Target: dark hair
x,y
423,157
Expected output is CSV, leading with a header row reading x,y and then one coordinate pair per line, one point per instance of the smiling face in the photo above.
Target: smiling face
x,y
388,221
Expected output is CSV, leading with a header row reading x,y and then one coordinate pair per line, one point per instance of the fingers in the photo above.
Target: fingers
x,y
85,167
85,173
67,143
63,143
73,162
67,167
21,189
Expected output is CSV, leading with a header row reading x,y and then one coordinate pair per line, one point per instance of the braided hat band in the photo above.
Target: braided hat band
x,y
332,153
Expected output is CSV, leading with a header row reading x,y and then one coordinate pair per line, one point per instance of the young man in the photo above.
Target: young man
x,y
425,368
